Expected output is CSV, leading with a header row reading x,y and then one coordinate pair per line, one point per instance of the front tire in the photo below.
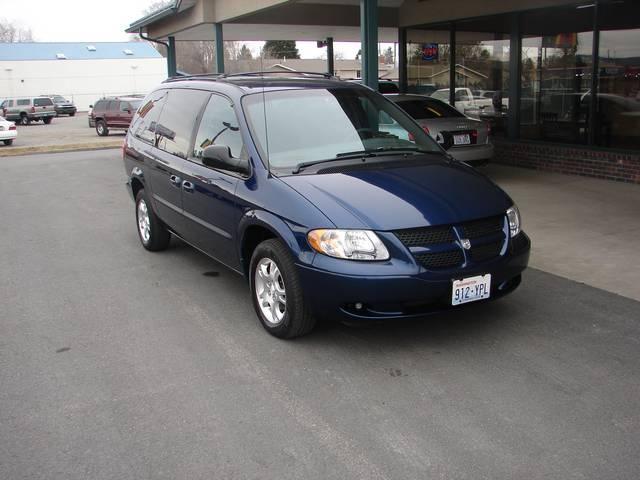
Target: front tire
x,y
47,120
276,291
101,128
8,142
154,236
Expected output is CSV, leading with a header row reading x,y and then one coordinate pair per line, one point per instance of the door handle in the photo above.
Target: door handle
x,y
187,186
175,180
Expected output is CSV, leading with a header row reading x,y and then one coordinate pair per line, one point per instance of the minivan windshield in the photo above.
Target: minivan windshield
x,y
294,128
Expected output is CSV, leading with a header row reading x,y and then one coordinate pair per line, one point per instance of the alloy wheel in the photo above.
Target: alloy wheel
x,y
144,224
270,291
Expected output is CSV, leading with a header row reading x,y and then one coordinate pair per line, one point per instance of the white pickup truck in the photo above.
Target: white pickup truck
x,y
465,102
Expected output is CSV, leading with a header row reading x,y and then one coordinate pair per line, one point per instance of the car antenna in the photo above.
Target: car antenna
x,y
264,112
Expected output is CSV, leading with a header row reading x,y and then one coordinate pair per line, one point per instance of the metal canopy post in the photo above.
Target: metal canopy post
x,y
452,65
330,67
172,64
515,78
402,59
369,41
219,48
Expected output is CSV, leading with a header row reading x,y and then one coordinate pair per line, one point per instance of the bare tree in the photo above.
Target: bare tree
x,y
13,32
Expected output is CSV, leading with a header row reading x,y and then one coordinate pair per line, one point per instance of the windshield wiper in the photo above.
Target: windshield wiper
x,y
362,154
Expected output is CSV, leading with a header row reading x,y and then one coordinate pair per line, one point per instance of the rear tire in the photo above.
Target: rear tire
x,y
278,280
24,119
154,236
8,142
72,114
101,128
47,120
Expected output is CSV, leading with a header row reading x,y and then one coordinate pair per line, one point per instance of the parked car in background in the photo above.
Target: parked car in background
x,y
300,185
465,139
8,131
62,105
113,113
25,110
92,122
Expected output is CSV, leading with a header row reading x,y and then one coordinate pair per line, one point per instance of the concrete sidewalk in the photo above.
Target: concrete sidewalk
x,y
584,229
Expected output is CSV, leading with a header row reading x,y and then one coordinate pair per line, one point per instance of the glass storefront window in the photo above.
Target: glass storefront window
x,y
555,101
482,70
618,117
556,75
428,53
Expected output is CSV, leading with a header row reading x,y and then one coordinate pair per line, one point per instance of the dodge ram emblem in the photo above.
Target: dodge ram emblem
x,y
466,244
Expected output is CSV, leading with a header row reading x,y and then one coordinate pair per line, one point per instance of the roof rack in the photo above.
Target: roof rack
x,y
195,76
216,76
271,72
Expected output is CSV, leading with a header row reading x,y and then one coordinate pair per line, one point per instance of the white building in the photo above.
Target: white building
x,y
82,72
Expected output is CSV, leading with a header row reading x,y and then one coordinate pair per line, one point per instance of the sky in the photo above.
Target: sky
x,y
105,21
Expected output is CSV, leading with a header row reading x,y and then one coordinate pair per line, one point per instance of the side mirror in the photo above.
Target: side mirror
x,y
219,156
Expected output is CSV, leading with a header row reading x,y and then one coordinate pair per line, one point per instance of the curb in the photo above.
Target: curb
x,y
73,147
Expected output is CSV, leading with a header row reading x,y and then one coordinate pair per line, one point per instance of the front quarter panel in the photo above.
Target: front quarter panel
x,y
266,201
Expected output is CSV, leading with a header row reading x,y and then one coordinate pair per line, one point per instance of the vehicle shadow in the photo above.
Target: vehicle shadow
x,y
481,322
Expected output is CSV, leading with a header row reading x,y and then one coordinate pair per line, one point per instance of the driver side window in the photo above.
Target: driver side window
x,y
219,126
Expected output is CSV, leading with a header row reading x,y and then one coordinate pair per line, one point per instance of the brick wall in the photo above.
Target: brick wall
x,y
621,167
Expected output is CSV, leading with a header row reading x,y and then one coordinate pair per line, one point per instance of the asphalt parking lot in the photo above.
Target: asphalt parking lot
x,y
63,130
120,363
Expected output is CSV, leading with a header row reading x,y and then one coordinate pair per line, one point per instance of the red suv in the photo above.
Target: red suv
x,y
113,113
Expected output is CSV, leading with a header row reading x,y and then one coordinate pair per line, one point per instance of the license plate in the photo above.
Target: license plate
x,y
471,289
464,139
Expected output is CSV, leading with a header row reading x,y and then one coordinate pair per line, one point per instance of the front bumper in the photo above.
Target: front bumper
x,y
65,110
335,295
472,153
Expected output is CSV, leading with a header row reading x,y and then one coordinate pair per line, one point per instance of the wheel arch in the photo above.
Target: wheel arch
x,y
136,181
257,226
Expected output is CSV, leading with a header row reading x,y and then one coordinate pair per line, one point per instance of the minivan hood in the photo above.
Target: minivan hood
x,y
404,197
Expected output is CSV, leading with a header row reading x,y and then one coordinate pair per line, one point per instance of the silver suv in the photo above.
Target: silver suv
x,y
24,110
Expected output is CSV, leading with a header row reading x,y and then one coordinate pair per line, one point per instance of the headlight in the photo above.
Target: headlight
x,y
348,244
513,215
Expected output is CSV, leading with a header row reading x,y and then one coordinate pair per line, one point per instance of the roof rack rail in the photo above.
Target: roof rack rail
x,y
195,76
271,72
218,76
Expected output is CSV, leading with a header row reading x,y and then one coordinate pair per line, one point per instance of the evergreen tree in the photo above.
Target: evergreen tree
x,y
245,53
280,49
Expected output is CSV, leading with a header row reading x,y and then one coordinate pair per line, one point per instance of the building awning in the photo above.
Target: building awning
x,y
170,9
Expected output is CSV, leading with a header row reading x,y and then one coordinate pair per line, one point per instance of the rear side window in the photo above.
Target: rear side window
x,y
219,126
22,102
144,123
99,106
425,109
42,102
112,105
177,120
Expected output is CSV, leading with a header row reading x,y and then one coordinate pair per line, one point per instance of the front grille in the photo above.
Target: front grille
x,y
482,253
422,237
478,231
482,228
448,259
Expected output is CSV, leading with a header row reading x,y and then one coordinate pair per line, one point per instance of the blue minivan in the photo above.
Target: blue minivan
x,y
298,184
